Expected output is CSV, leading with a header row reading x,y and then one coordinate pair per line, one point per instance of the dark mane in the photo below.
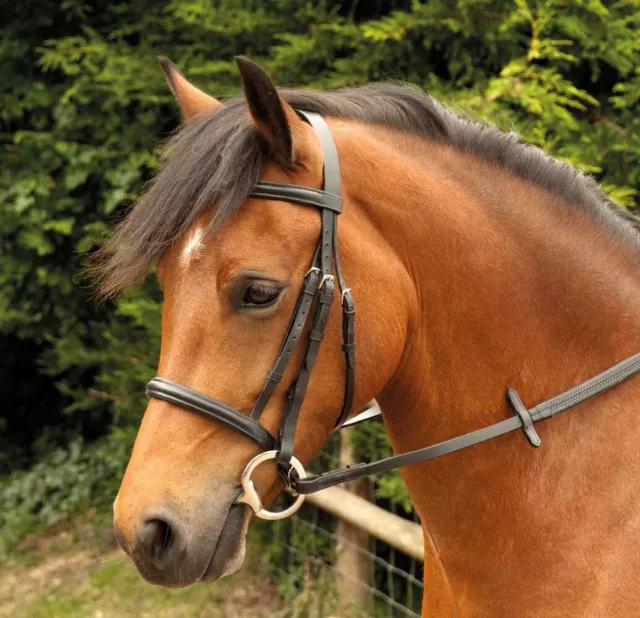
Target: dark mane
x,y
220,157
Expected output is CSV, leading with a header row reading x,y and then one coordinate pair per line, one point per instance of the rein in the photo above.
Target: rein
x,y
314,306
522,419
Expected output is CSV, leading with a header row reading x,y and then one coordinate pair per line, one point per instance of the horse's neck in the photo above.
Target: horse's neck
x,y
513,286
515,289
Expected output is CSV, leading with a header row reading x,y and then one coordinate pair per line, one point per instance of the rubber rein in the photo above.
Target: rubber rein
x,y
313,307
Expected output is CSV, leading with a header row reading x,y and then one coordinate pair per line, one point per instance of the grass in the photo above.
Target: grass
x,y
74,571
79,583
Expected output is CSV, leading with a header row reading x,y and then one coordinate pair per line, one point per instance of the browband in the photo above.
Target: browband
x,y
295,194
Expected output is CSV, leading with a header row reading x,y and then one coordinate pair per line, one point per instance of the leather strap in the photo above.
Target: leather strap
x,y
296,194
172,392
596,385
331,165
330,202
370,412
332,184
326,242
298,390
349,349
513,399
297,323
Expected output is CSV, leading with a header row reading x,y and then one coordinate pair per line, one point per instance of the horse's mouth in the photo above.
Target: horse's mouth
x,y
229,551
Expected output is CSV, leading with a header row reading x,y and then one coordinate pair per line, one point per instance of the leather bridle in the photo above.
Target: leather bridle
x,y
314,306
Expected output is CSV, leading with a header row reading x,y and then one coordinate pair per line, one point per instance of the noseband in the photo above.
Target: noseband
x,y
313,307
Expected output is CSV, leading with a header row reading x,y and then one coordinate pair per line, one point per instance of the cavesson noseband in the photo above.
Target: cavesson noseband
x,y
314,306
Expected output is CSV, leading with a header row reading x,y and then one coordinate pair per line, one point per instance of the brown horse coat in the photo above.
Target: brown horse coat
x,y
476,263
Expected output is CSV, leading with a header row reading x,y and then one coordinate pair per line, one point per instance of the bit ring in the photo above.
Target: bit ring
x,y
250,497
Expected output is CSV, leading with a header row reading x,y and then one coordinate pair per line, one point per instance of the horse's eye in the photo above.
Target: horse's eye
x,y
260,295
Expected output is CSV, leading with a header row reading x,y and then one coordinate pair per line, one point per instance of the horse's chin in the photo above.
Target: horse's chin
x,y
229,552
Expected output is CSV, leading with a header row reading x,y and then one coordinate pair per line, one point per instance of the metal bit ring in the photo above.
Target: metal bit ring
x,y
250,496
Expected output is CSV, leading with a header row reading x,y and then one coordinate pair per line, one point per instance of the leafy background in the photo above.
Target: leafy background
x,y
83,112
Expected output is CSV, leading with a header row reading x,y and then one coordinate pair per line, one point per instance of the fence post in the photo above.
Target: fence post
x,y
353,563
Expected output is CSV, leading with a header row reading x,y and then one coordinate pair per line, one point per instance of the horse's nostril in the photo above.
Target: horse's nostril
x,y
157,536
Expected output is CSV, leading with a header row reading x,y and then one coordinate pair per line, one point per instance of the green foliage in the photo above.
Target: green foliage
x,y
84,107
288,543
63,484
370,442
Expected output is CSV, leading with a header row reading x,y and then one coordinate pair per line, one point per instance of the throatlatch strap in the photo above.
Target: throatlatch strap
x,y
348,332
349,349
596,385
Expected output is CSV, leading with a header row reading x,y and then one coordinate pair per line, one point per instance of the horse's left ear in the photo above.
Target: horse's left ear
x,y
286,133
192,101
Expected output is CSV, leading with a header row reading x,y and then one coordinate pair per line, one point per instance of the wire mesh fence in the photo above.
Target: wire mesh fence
x,y
306,555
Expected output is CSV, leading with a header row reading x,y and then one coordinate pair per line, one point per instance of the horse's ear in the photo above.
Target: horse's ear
x,y
192,101
272,115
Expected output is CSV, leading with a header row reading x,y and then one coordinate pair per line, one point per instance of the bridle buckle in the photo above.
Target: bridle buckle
x,y
250,497
313,269
324,279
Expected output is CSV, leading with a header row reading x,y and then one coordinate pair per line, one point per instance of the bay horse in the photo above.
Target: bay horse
x,y
477,263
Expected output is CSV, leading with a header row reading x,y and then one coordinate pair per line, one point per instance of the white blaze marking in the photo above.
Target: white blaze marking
x,y
193,246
